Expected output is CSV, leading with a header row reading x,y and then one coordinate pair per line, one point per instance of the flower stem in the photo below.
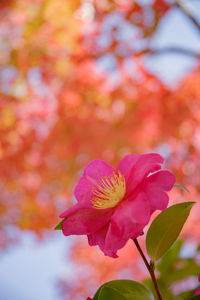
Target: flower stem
x,y
150,268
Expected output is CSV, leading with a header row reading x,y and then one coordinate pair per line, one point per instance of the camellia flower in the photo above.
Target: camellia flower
x,y
197,291
115,205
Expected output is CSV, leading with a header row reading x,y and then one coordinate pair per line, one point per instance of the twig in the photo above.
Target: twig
x,y
187,13
150,268
172,49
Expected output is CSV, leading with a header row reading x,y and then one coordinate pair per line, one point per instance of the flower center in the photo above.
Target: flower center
x,y
109,192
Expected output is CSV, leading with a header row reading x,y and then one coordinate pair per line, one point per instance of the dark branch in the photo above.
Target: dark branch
x,y
187,13
170,50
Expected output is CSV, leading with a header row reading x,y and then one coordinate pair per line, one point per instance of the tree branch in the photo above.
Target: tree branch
x,y
187,13
170,49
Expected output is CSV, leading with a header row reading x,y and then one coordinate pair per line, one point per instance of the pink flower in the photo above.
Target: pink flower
x,y
197,291
115,205
88,298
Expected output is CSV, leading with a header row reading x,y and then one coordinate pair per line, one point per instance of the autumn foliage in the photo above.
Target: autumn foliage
x,y
74,87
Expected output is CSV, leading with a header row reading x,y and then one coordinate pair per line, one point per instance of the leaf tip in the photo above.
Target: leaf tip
x,y
180,186
59,225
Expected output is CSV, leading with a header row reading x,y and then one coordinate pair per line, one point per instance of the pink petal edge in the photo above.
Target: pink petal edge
x,y
85,221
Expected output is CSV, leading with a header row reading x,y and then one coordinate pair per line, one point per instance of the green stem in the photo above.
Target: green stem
x,y
150,268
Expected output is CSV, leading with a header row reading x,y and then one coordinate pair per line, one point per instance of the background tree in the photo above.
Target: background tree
x,y
74,86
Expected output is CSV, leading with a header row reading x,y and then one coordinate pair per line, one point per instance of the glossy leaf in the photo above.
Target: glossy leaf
x,y
167,267
166,228
59,225
124,290
166,293
172,268
186,295
107,293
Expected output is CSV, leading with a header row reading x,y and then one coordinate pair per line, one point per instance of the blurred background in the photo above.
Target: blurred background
x,y
86,79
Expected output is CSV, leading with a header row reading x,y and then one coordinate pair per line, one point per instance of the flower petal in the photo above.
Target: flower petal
x,y
157,199
83,192
136,167
91,176
85,221
96,169
162,179
154,187
126,164
128,221
98,238
197,292
70,211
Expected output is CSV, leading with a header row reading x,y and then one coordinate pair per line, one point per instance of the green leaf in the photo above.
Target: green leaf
x,y
181,187
123,290
107,293
186,295
187,267
166,228
165,292
59,225
173,268
195,298
166,264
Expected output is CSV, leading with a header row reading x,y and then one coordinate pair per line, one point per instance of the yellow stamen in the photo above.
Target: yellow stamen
x,y
109,192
